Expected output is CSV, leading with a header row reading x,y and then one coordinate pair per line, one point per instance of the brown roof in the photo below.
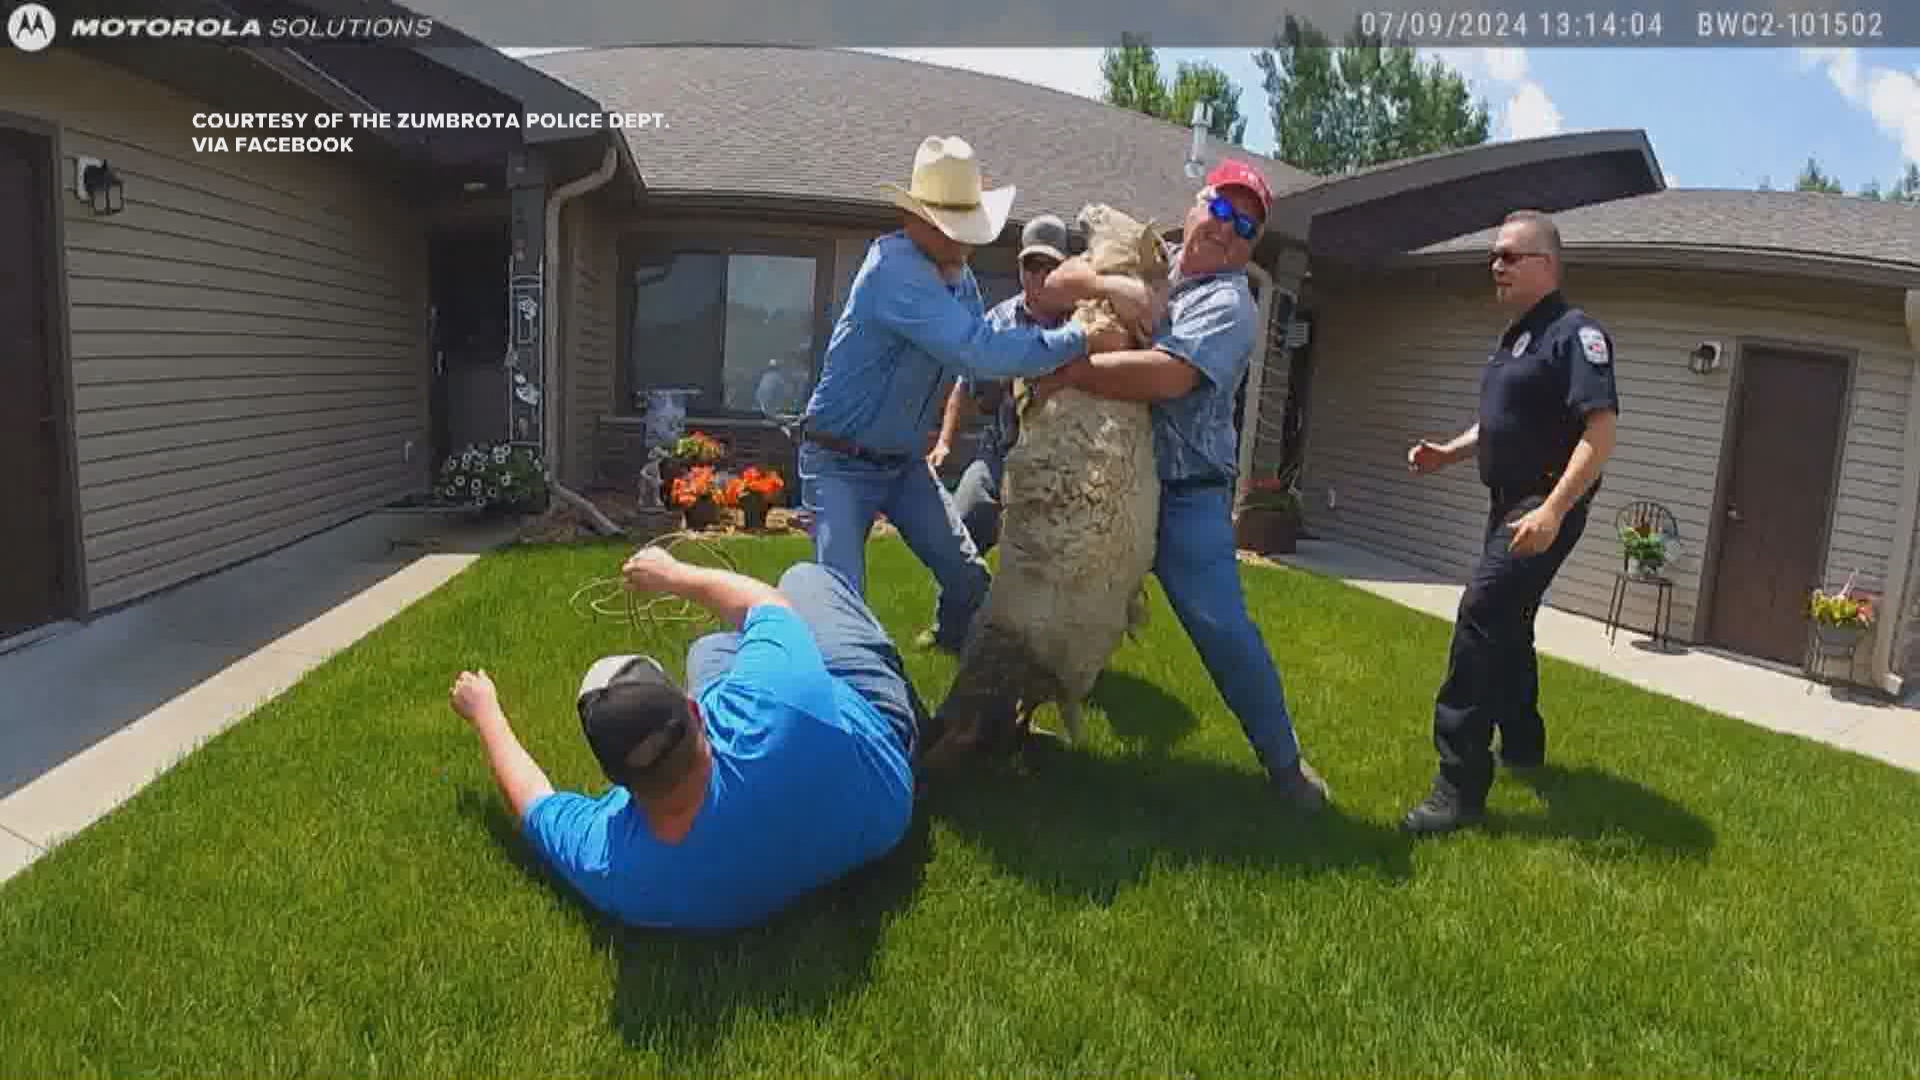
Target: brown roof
x,y
832,125
1786,223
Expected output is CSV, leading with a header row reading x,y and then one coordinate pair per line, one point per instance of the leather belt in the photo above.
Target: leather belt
x,y
854,449
1194,483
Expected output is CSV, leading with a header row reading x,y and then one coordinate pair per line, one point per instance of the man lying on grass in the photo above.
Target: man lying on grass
x,y
787,763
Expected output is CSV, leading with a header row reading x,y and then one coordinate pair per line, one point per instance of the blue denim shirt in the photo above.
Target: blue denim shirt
x,y
906,332
996,395
1213,324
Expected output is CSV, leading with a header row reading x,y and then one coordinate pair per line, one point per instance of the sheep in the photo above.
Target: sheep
x,y
1080,516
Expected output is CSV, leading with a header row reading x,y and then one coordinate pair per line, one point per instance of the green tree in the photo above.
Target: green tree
x,y
1871,190
1198,82
1133,81
1362,103
1907,188
1812,179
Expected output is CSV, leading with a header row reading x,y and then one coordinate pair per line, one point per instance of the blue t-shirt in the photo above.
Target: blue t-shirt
x,y
809,782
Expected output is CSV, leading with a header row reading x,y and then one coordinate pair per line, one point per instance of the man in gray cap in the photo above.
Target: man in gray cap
x,y
1043,246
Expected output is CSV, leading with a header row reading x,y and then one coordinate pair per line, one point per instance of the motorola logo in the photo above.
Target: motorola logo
x,y
30,27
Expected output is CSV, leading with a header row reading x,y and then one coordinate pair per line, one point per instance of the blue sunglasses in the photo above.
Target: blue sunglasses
x,y
1222,210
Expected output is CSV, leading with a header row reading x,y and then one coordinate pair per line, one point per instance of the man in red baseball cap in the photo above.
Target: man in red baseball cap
x,y
1190,373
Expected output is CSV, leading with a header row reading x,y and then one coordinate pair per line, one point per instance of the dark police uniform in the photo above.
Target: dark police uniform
x,y
1551,368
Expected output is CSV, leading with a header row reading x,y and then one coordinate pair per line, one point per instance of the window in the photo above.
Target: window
x,y
740,326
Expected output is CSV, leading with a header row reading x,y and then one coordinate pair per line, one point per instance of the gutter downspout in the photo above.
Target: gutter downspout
x,y
1899,579
551,368
1250,420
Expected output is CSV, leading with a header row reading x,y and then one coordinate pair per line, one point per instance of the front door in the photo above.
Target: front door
x,y
1779,498
34,588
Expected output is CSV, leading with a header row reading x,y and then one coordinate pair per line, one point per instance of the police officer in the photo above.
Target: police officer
x,y
1548,407
1043,247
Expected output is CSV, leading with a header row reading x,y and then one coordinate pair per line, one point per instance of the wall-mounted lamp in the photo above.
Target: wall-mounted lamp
x,y
1705,358
96,182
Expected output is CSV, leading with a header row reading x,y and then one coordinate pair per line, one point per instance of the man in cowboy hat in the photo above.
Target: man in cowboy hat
x,y
1190,375
914,321
782,764
1043,247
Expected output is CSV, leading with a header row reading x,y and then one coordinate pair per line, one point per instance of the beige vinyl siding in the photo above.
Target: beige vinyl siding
x,y
248,338
589,333
1398,361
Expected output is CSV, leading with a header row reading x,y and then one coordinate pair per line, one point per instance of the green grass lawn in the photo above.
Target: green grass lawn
x,y
333,888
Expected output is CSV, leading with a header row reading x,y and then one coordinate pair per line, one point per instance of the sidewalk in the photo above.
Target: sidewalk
x,y
1759,693
91,716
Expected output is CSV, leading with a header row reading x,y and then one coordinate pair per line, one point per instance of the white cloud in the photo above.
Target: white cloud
x,y
1075,71
1891,97
1525,111
1530,113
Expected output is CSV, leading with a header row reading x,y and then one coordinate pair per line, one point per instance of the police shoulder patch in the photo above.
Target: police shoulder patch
x,y
1520,343
1594,344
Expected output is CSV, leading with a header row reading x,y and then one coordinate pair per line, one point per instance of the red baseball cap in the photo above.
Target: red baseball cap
x,y
1236,173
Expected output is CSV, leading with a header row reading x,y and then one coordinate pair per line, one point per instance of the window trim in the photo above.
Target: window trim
x,y
713,242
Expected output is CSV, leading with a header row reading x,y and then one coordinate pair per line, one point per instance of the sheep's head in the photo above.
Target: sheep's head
x,y
1118,244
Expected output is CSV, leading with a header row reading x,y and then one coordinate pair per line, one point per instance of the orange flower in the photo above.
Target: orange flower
x,y
763,482
730,495
693,485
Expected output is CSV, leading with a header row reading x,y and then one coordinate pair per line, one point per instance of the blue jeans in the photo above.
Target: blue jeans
x,y
844,495
977,501
1198,569
853,644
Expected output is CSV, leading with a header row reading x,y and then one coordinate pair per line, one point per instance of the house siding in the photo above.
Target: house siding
x,y
1399,359
247,337
589,333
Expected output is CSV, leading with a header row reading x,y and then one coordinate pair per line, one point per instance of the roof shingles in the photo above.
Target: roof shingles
x,y
1783,222
825,124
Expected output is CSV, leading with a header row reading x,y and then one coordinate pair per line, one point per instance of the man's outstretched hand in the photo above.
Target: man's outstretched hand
x,y
650,570
474,696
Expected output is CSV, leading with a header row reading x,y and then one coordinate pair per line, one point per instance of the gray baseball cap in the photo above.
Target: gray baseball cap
x,y
1045,235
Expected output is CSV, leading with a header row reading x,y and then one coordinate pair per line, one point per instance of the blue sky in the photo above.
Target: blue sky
x,y
1716,117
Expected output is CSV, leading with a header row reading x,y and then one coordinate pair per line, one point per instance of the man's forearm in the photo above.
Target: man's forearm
x,y
950,420
1136,375
1465,445
1588,458
520,778
725,593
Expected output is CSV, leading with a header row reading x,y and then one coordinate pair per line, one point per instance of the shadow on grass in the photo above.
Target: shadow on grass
x,y
1089,827
679,995
1611,816
1141,713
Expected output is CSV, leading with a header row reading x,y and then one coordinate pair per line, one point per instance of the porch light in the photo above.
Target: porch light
x,y
1705,358
101,186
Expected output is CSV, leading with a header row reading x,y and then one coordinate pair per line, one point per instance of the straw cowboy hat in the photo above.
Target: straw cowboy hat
x,y
946,192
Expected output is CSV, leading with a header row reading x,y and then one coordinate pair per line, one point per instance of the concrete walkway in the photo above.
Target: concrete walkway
x,y
1760,693
89,717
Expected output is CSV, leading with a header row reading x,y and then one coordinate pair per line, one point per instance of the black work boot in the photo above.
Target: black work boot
x,y
1443,811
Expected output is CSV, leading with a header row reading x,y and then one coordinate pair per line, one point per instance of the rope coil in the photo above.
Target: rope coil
x,y
610,599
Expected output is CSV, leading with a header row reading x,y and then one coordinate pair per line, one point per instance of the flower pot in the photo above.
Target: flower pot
x,y
1266,531
753,513
1647,568
1834,640
703,514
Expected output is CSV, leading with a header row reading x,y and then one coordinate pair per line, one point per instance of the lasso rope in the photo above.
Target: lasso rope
x,y
610,599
